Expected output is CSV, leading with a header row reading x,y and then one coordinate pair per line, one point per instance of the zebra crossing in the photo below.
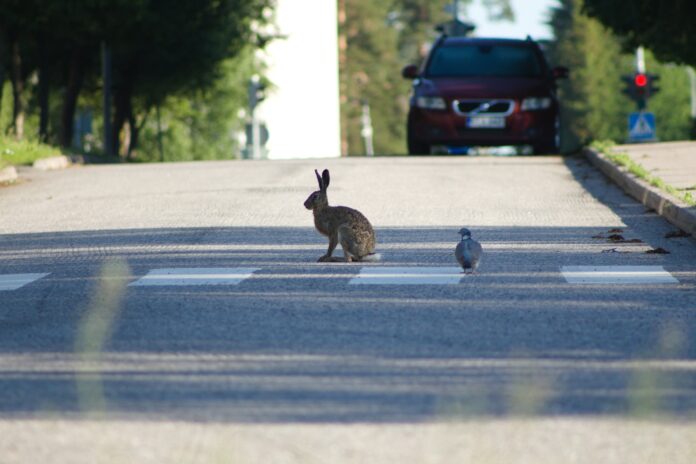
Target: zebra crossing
x,y
369,275
194,276
16,281
617,275
407,276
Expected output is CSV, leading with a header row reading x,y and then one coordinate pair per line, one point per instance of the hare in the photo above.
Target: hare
x,y
341,224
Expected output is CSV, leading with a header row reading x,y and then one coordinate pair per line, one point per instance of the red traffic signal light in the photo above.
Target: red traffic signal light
x,y
640,87
641,80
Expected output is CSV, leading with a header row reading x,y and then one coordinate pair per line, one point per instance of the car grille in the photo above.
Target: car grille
x,y
483,107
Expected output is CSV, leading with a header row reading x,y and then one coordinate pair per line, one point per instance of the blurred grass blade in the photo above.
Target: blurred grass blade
x,y
94,332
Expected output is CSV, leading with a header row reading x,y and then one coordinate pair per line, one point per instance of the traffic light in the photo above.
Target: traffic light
x,y
256,92
640,87
651,89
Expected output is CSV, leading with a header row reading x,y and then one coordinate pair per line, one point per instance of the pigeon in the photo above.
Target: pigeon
x,y
468,251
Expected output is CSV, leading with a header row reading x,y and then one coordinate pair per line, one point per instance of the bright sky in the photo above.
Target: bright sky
x,y
530,18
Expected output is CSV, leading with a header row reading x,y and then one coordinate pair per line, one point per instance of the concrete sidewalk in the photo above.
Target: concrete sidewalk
x,y
672,162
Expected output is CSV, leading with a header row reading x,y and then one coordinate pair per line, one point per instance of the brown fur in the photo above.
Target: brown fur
x,y
340,224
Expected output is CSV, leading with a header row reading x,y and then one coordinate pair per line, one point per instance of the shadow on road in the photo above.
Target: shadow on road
x,y
297,343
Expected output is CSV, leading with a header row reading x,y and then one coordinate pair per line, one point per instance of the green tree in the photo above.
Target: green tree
x,y
671,105
593,105
666,27
160,50
177,50
370,73
201,124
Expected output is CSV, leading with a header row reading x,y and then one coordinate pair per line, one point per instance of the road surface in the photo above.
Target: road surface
x,y
176,312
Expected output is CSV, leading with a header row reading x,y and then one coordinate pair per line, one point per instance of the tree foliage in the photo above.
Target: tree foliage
x,y
160,50
667,27
200,124
592,103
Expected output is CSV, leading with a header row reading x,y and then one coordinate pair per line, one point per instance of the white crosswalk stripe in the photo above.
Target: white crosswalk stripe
x,y
195,276
617,275
16,281
408,276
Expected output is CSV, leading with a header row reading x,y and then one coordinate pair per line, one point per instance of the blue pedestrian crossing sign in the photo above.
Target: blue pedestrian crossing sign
x,y
641,127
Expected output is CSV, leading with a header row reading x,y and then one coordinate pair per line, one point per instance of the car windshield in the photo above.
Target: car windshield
x,y
477,60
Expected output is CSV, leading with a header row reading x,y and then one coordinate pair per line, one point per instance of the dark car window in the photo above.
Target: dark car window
x,y
484,60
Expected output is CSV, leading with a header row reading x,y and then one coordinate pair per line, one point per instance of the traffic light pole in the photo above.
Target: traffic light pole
x,y
640,60
641,84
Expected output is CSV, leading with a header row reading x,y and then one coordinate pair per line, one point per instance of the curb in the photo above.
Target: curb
x,y
666,205
8,174
52,163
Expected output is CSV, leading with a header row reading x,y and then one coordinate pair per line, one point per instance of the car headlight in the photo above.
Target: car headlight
x,y
431,103
535,103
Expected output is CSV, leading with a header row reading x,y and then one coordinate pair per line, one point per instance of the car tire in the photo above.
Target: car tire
x,y
551,144
547,147
418,148
414,146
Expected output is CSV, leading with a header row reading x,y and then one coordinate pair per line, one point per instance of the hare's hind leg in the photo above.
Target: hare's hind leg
x,y
347,241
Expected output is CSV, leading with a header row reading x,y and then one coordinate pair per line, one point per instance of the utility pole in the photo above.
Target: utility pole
x,y
106,77
343,79
256,95
366,129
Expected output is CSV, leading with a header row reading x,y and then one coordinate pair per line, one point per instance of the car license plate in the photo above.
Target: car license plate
x,y
486,122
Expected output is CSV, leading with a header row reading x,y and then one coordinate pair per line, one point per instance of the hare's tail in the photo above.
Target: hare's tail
x,y
372,257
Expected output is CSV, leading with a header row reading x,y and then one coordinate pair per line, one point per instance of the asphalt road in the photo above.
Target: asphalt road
x,y
296,363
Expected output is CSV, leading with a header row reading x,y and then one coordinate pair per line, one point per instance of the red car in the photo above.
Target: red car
x,y
483,92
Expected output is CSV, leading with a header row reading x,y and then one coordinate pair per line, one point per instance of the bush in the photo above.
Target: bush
x,y
13,152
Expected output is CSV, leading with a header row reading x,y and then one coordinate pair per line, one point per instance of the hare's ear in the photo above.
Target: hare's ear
x,y
326,178
321,184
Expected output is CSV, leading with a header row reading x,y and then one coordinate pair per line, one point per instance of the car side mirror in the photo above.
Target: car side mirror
x,y
560,72
410,71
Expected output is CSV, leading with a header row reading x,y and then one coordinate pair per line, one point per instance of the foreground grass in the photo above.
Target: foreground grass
x,y
13,152
639,171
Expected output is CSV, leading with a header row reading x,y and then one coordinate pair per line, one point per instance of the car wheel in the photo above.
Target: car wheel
x,y
418,148
550,144
547,147
415,147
